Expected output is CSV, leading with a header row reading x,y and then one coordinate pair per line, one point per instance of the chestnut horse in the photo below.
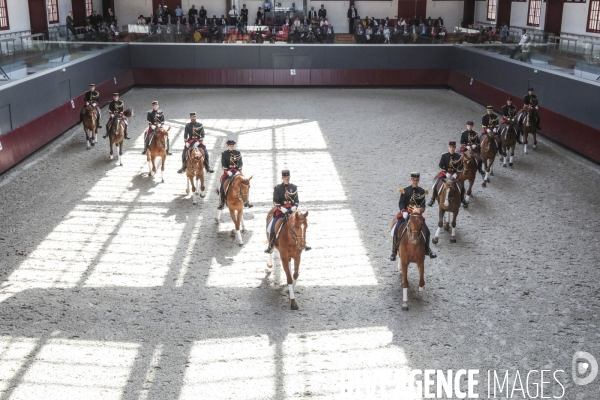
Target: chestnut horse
x,y
116,134
489,148
509,140
195,172
449,202
237,195
89,125
158,148
290,243
469,172
411,249
529,126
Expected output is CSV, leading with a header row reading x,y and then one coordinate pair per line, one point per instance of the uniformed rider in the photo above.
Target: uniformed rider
x,y
411,197
490,123
450,167
155,118
530,99
116,108
509,110
232,163
286,201
469,139
194,136
92,97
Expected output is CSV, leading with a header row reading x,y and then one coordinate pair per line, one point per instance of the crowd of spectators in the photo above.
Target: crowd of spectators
x,y
403,30
102,28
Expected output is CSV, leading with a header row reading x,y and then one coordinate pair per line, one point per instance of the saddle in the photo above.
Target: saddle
x,y
188,152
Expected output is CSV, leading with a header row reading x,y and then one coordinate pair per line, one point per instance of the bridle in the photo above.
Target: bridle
x,y
243,195
194,168
448,188
466,161
296,237
411,232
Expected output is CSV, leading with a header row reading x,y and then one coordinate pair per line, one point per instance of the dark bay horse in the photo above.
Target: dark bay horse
x,y
290,243
90,127
449,203
411,249
157,148
489,148
529,126
195,172
509,140
237,195
469,172
116,134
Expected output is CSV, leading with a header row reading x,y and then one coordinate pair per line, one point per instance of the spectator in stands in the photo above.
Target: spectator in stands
x,y
195,20
397,34
260,14
223,21
360,35
267,6
305,22
297,23
70,26
443,33
352,16
89,34
233,15
322,12
141,20
202,13
160,11
525,55
378,36
387,22
328,33
110,17
214,33
312,13
287,21
520,45
223,33
192,12
277,21
369,34
435,32
386,34
429,21
424,30
178,11
375,24
439,22
414,34
293,8
504,33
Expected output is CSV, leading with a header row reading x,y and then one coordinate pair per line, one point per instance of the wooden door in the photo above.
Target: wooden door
x,y
106,4
412,8
468,13
504,8
38,17
554,13
79,16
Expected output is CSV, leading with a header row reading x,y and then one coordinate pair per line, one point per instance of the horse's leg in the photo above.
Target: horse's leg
x,y
512,155
525,137
535,139
110,144
202,187
120,153
296,268
421,267
187,188
87,137
285,261
236,222
162,167
153,163
148,158
439,228
404,284
447,221
453,236
194,190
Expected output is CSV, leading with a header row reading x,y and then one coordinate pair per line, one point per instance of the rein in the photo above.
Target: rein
x,y
412,231
240,193
193,168
296,237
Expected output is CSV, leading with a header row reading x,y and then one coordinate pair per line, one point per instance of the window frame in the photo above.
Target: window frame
x,y
593,4
50,6
4,6
492,10
89,7
531,13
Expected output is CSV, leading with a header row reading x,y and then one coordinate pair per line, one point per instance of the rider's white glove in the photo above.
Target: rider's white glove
x,y
489,130
468,147
495,130
112,115
282,209
448,175
454,175
294,208
153,126
405,215
536,107
229,173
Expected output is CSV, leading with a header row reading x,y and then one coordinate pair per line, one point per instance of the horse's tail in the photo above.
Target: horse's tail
x,y
128,113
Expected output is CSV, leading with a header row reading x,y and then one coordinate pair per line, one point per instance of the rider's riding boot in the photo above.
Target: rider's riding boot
x,y
394,248
126,135
519,137
221,202
182,169
145,149
428,251
307,247
106,134
432,201
207,167
248,205
168,148
98,124
269,248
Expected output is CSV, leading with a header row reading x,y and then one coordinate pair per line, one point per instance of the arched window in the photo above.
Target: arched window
x,y
89,7
491,10
533,14
53,11
593,22
4,25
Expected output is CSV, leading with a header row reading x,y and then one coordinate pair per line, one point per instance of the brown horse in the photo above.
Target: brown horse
x,y
449,202
529,126
195,172
116,134
157,148
411,249
489,148
90,127
237,195
469,172
290,243
509,140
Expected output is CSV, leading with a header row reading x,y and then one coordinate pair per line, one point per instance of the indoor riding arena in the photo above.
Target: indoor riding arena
x,y
115,285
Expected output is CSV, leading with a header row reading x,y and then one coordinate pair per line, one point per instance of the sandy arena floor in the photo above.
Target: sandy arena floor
x,y
114,286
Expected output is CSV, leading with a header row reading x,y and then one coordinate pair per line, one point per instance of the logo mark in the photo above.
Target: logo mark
x,y
580,367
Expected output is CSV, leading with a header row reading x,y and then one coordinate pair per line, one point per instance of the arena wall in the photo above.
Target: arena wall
x,y
40,106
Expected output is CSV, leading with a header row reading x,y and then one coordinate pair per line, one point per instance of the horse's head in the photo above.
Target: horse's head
x,y
415,223
197,155
298,225
90,108
468,159
244,189
448,191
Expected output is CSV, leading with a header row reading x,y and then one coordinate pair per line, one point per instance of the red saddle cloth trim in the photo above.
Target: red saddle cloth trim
x,y
278,211
233,170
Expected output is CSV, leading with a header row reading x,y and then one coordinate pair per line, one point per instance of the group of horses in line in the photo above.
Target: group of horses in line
x,y
291,237
411,248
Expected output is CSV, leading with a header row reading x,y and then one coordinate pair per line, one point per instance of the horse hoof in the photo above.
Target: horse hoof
x,y
87,148
404,307
483,184
202,195
510,164
465,205
434,240
120,164
504,165
269,266
294,305
421,288
217,220
162,181
535,146
187,191
452,240
194,202
93,144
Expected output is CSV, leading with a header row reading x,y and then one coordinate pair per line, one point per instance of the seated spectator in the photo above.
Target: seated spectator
x,y
378,36
387,22
222,21
223,33
305,21
443,33
297,23
360,34
277,21
287,22
141,20
328,33
386,34
439,22
258,22
369,34
435,32
397,34
214,33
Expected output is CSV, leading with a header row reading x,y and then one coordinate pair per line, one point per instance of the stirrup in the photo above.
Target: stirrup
x,y
307,247
209,170
221,206
431,202
144,152
104,137
432,254
393,257
248,205
180,170
269,250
